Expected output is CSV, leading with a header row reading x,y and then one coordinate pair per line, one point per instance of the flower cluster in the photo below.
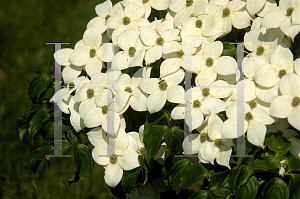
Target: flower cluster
x,y
185,41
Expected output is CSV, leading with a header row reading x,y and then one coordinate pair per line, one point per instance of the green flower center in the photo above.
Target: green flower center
x,y
145,1
196,104
218,142
209,61
203,136
296,101
128,89
160,41
142,150
113,159
289,11
126,20
248,116
104,109
90,93
92,52
71,85
132,51
189,2
281,73
163,85
252,104
226,12
205,92
180,53
107,17
198,23
260,50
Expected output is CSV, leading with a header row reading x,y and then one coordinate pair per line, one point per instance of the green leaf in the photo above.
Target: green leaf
x,y
249,190
48,94
83,163
279,145
22,127
36,121
228,49
39,155
160,117
129,179
177,172
248,148
194,173
152,139
219,183
293,164
174,138
275,188
294,186
38,84
266,163
47,128
203,194
66,146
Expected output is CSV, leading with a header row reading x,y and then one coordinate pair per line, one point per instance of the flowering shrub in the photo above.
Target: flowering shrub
x,y
189,99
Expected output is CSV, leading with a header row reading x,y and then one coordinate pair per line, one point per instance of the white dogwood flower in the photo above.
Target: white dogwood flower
x,y
286,17
159,44
115,160
92,54
162,89
134,50
287,105
212,63
130,18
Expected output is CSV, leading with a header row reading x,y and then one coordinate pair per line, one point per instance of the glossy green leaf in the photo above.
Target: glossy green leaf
x,y
219,183
248,147
129,179
152,140
275,188
22,127
266,163
228,49
279,145
203,194
160,117
39,155
36,121
174,138
47,128
38,84
248,190
294,186
293,164
83,163
177,172
194,173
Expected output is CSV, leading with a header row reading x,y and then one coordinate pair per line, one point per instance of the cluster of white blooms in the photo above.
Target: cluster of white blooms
x,y
186,40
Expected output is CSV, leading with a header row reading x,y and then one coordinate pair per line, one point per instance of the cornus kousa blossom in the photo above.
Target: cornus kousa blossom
x,y
115,160
162,89
287,105
93,53
286,17
138,77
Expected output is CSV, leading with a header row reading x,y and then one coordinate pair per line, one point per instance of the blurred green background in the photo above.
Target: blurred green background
x,y
25,27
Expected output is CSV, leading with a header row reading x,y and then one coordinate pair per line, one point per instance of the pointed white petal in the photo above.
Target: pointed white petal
x,y
214,127
223,156
225,65
148,35
290,85
80,56
214,105
93,118
294,118
129,160
153,54
191,144
134,11
213,49
178,112
274,19
229,128
76,121
156,101
281,106
256,133
92,37
62,56
94,65
138,101
267,75
86,106
175,94
260,115
71,72
96,136
113,174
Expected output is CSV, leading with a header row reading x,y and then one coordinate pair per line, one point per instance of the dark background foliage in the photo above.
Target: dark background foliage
x,y
25,27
